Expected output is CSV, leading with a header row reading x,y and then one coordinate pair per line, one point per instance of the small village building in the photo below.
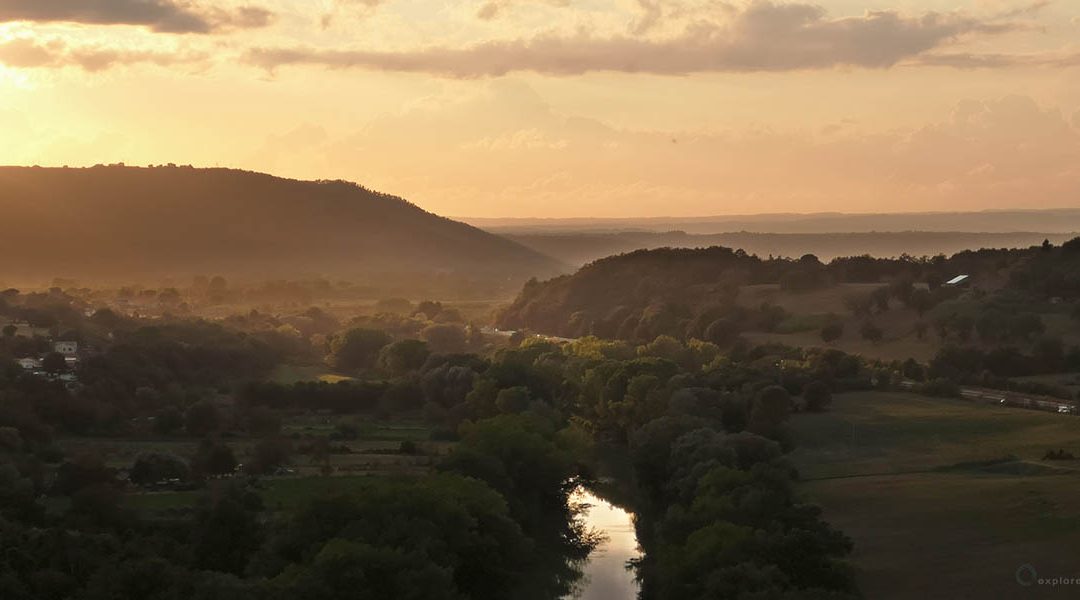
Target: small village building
x,y
66,348
29,364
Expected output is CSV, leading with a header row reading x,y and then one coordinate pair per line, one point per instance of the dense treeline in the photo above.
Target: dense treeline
x,y
494,522
487,527
493,519
694,293
581,247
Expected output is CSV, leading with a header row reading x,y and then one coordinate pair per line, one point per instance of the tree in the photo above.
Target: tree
x,y
934,281
664,346
1027,326
859,304
398,306
963,325
920,301
911,369
152,467
403,356
402,396
871,332
513,400
832,332
263,421
213,457
817,396
10,331
880,299
516,338
54,362
168,421
218,285
202,418
429,309
99,504
82,471
444,338
902,289
1049,352
268,455
518,456
169,297
722,331
357,349
226,531
770,408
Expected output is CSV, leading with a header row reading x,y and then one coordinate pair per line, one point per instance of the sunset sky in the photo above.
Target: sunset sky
x,y
567,107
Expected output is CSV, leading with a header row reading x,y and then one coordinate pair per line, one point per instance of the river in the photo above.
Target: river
x,y
605,574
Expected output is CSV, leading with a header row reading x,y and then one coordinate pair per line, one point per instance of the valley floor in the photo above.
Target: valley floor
x,y
945,498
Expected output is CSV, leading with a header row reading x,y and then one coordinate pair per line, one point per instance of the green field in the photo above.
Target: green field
x,y
375,450
945,498
290,374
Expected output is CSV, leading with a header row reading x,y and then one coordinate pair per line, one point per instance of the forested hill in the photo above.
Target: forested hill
x,y
581,247
717,293
123,222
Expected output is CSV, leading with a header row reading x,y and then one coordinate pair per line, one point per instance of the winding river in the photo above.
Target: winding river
x,y
605,574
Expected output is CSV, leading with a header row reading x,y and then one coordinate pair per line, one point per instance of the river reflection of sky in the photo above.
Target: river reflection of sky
x,y
605,574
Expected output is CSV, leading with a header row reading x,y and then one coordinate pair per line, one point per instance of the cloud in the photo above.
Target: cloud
x,y
493,9
522,139
365,8
28,53
761,36
651,13
966,60
164,16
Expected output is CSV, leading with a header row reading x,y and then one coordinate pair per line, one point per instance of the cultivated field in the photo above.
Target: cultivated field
x,y
945,498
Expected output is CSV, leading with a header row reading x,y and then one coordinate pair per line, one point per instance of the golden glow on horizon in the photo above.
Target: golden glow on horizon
x,y
470,109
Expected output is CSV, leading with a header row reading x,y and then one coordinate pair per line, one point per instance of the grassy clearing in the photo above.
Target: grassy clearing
x,y
289,374
876,432
392,431
376,450
830,299
810,311
935,510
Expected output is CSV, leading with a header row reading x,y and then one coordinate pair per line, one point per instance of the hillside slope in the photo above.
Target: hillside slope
x,y
716,294
123,222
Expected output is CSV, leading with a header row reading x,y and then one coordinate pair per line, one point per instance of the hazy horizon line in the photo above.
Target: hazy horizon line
x,y
772,215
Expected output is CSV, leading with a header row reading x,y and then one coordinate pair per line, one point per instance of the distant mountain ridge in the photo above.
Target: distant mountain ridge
x,y
578,248
1056,220
121,223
